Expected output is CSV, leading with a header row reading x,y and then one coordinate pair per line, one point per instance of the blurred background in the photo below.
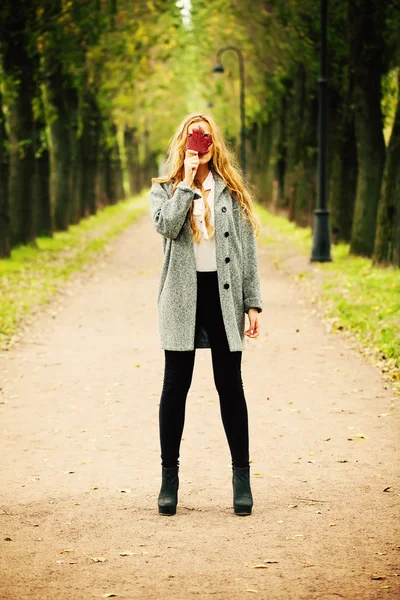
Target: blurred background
x,y
91,92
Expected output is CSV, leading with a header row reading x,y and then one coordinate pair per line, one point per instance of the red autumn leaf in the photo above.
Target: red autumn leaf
x,y
199,141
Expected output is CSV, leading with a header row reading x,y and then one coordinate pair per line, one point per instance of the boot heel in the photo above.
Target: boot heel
x,y
168,496
242,496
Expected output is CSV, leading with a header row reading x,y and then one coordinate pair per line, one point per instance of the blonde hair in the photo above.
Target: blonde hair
x,y
222,162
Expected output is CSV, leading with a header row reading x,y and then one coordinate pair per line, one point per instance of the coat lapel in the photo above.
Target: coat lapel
x,y
219,188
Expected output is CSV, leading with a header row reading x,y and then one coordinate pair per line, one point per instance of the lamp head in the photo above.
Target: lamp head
x,y
218,68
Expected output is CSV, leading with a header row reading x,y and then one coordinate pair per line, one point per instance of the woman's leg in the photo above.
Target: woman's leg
x,y
227,374
228,381
178,373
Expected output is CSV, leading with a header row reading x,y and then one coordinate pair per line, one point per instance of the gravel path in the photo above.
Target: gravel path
x,y
81,461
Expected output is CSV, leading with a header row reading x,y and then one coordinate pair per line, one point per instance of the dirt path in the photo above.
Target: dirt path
x,y
79,424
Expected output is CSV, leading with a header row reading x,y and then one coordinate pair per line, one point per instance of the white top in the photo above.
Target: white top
x,y
205,250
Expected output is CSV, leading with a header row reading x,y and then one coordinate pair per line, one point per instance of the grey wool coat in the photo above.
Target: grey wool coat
x,y
237,266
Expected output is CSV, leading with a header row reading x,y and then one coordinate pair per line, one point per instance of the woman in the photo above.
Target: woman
x,y
209,280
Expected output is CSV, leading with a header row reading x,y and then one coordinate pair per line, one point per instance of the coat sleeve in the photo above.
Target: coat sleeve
x,y
169,214
251,281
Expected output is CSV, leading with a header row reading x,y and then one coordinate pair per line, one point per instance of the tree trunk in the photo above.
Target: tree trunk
x,y
102,171
301,165
5,232
271,181
343,169
91,120
22,162
264,148
132,160
19,66
75,141
114,176
60,151
387,242
293,140
281,154
366,60
42,207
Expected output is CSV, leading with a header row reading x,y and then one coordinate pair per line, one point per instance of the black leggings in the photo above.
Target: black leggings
x,y
227,376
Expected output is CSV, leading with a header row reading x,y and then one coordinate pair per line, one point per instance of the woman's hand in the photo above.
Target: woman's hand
x,y
191,164
254,328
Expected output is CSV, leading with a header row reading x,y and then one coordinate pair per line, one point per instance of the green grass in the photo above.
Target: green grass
x,y
356,295
33,273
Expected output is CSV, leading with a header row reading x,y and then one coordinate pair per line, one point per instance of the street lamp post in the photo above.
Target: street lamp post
x,y
321,242
218,68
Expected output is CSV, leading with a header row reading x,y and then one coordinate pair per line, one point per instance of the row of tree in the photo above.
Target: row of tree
x,y
281,42
63,150
92,90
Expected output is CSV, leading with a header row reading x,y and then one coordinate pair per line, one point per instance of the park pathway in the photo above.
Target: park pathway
x,y
80,468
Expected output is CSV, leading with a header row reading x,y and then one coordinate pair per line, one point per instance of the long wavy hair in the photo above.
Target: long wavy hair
x,y
223,162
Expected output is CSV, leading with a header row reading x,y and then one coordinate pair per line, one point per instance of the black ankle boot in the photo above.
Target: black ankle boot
x,y
242,496
168,496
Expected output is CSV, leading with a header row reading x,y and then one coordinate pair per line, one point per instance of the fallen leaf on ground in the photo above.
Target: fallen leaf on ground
x,y
292,505
127,553
270,562
98,558
378,577
259,566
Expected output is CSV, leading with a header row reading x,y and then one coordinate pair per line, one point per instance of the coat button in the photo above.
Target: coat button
x,y
226,233
226,286
223,209
227,259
